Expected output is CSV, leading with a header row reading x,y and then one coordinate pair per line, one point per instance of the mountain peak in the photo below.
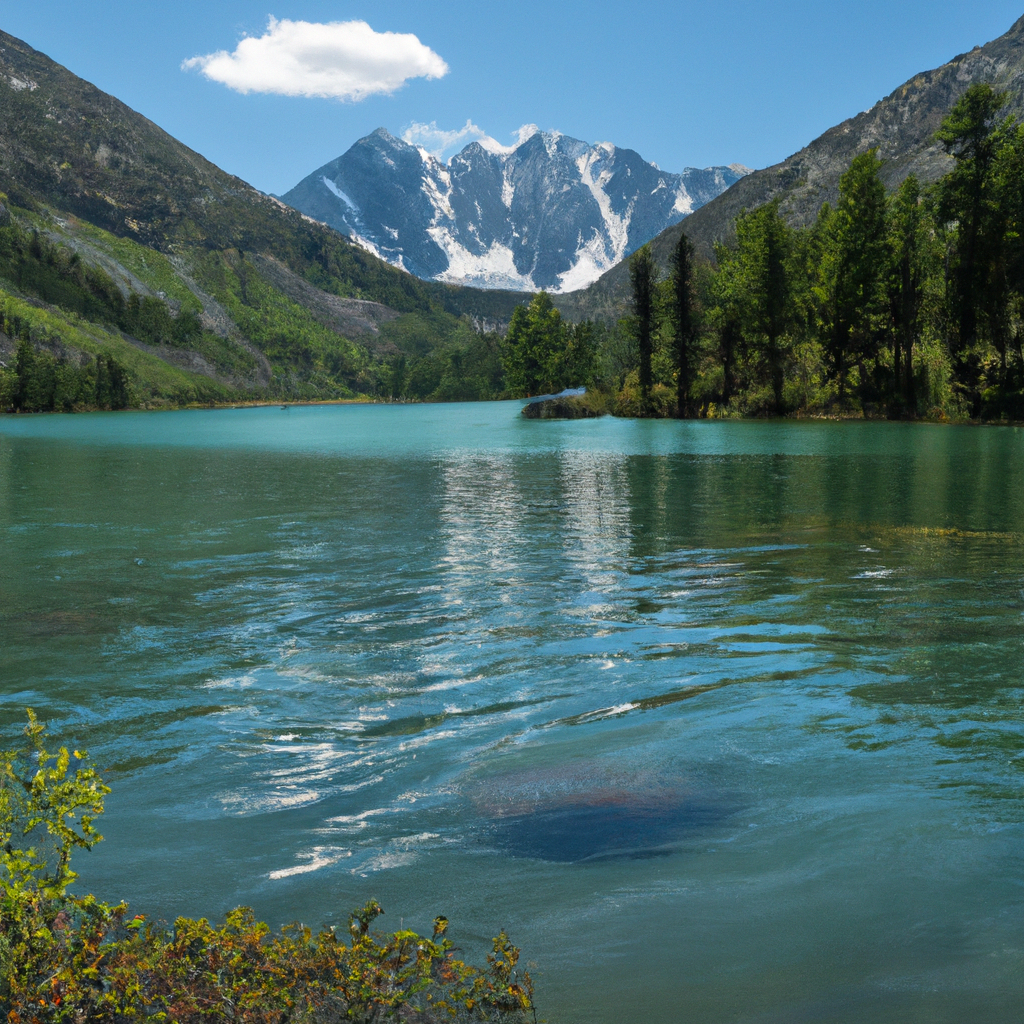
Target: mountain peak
x,y
381,138
549,212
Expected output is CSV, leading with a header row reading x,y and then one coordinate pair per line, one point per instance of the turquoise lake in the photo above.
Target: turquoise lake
x,y
722,721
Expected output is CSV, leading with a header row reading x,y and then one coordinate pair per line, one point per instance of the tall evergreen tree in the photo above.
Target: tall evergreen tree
x,y
972,133
684,322
578,361
117,380
1009,174
851,267
643,276
8,389
25,368
534,348
730,338
907,269
757,285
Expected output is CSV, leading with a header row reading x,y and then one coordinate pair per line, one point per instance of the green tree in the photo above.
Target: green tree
x,y
756,284
43,383
852,260
1009,174
643,277
730,339
8,389
67,388
907,230
111,384
396,376
973,134
32,379
578,364
684,324
534,347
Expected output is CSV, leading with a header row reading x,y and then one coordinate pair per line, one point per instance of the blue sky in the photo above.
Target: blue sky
x,y
683,83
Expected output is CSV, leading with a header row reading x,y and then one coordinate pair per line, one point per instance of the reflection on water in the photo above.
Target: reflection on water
x,y
722,716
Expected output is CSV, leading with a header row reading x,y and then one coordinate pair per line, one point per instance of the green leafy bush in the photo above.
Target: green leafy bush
x,y
65,958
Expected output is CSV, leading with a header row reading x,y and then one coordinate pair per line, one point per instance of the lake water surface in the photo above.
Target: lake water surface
x,y
722,721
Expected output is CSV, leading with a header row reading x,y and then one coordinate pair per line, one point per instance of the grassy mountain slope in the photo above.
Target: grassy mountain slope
x,y
284,304
901,126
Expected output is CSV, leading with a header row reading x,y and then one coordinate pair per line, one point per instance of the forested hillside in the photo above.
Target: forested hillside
x,y
121,248
903,304
901,127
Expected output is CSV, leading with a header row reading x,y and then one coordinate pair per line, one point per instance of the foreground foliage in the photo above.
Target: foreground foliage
x,y
77,959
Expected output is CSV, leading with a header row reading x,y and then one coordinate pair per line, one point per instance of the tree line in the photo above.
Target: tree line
x,y
902,304
42,382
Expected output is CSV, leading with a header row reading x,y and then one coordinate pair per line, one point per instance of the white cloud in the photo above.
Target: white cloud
x,y
437,141
343,60
525,133
522,134
440,143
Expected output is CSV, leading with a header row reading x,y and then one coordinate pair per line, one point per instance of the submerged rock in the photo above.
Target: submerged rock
x,y
572,404
588,812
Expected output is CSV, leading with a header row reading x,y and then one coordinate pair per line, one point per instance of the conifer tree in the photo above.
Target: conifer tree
x,y
729,339
972,133
906,225
684,324
24,367
851,267
1009,269
643,276
756,284
534,348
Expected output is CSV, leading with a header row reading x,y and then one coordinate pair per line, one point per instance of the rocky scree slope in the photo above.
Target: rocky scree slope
x,y
552,212
902,126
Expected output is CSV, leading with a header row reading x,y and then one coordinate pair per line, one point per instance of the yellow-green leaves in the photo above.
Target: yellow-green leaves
x,y
46,812
65,959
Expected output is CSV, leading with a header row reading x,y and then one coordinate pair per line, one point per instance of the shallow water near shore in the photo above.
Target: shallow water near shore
x,y
721,720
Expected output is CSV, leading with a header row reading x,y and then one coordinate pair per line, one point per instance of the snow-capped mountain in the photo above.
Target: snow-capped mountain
x,y
551,212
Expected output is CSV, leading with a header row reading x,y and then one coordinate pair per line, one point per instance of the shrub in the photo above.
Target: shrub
x,y
65,958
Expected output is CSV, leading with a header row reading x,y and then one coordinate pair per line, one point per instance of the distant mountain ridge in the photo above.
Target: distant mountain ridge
x,y
100,208
67,144
551,212
902,126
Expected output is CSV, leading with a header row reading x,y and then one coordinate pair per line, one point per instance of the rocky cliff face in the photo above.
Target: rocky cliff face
x,y
551,212
902,126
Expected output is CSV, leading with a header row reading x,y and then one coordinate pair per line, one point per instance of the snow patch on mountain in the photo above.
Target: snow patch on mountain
x,y
493,268
548,211
438,189
616,226
591,262
340,194
508,191
684,202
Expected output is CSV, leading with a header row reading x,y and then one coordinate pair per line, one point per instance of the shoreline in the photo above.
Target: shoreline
x,y
311,402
